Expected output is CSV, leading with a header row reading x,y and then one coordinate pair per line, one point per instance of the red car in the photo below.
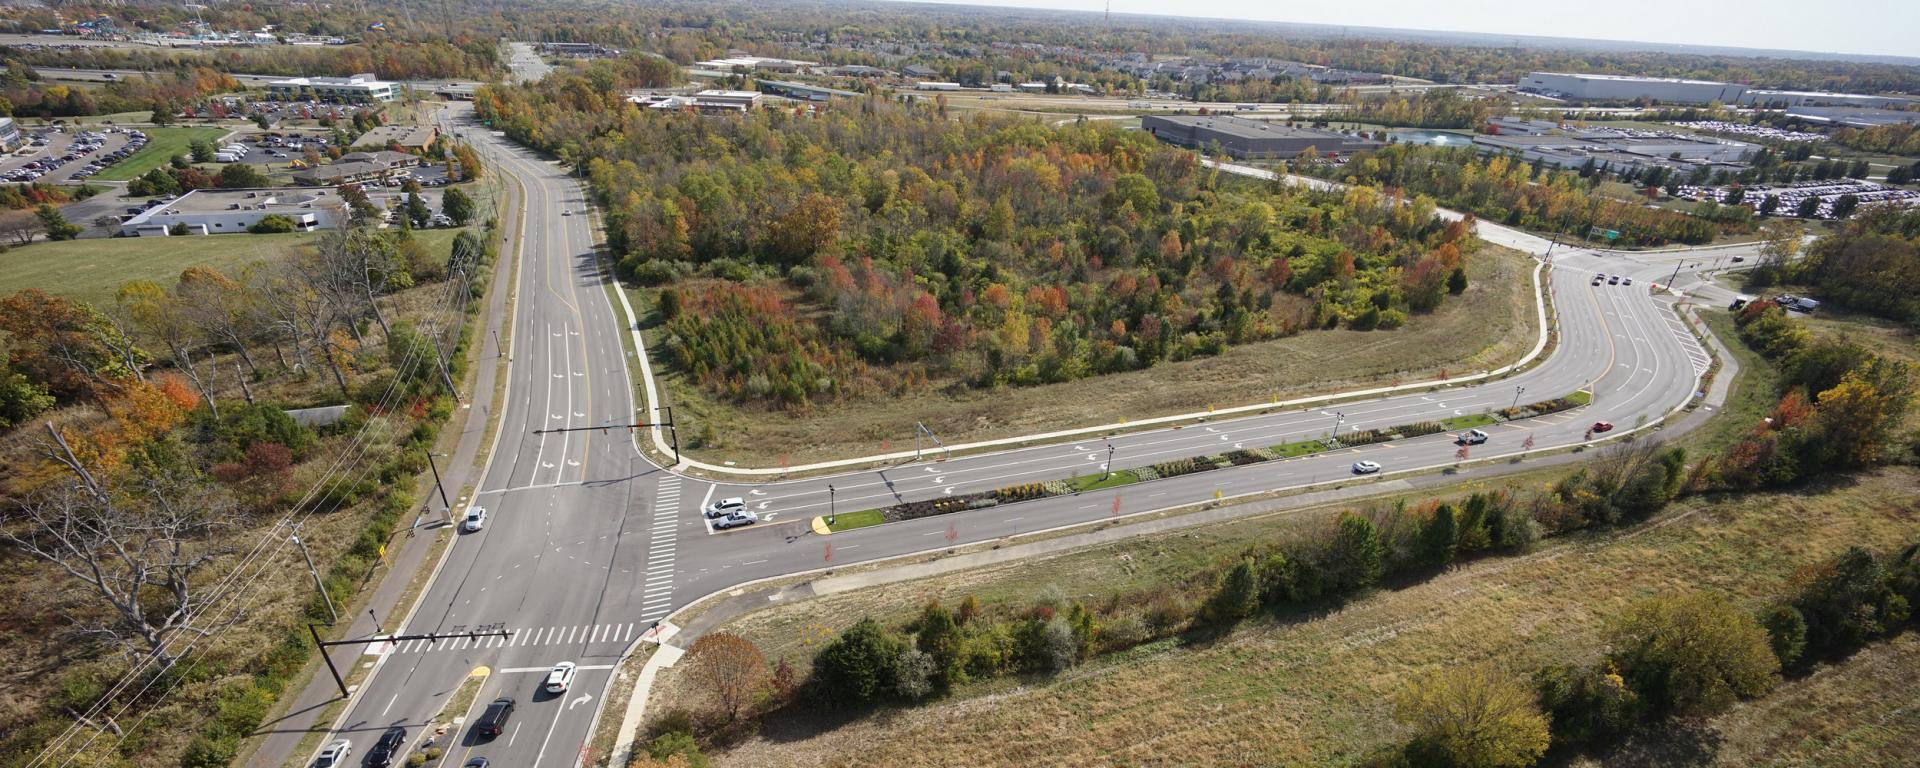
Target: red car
x,y
1602,426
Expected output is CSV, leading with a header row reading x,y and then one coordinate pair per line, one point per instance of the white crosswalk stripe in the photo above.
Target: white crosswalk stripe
x,y
565,634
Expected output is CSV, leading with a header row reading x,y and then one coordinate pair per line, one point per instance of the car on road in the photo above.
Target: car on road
x,y
1626,281
560,677
388,748
1598,278
726,506
335,755
478,762
736,519
567,212
494,720
1615,280
1602,426
1471,437
1738,259
1365,467
476,519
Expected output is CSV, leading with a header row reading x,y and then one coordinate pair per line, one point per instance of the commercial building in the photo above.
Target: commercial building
x,y
578,50
225,211
1577,87
755,63
355,167
1853,117
803,91
1617,148
353,89
9,134
707,102
1242,138
410,138
1783,99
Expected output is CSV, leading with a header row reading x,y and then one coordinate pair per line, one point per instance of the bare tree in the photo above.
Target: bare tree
x,y
19,226
135,550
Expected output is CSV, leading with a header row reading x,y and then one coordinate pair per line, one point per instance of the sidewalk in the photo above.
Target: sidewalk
x,y
303,714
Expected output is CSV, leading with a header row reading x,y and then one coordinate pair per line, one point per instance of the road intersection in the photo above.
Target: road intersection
x,y
589,543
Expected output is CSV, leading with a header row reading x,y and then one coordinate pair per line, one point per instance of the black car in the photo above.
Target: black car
x,y
493,721
387,749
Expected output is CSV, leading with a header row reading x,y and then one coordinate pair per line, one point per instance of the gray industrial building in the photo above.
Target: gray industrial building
x,y
1243,138
1778,99
1577,87
1618,148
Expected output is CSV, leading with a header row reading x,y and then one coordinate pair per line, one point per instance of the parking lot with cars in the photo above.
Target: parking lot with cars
x,y
56,155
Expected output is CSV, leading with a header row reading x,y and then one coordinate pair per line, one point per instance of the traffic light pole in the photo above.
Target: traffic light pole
x,y
313,629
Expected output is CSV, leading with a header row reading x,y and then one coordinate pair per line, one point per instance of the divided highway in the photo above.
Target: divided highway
x,y
587,543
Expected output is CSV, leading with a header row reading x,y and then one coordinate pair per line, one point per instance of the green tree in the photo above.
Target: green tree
x,y
1691,654
417,211
1237,596
271,223
162,114
1357,558
242,176
1457,281
1587,706
1848,602
939,637
20,399
457,205
1439,537
1472,716
156,183
1786,633
56,225
857,668
203,150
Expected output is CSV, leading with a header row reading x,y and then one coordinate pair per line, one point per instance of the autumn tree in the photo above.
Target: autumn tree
x,y
65,346
729,668
1472,716
1691,654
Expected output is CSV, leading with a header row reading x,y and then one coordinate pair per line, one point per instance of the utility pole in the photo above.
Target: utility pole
x,y
1676,274
439,486
317,585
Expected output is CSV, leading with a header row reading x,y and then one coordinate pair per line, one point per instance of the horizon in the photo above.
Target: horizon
x,y
1832,34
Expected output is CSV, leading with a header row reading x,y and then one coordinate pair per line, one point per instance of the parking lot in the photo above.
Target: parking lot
x,y
279,150
55,155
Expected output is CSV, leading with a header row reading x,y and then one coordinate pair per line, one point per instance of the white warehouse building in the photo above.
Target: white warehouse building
x,y
224,211
353,89
1577,87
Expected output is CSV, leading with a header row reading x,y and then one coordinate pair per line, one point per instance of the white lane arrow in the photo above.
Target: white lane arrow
x,y
763,505
931,470
584,698
1237,446
1079,448
1223,438
939,480
769,517
948,490
756,492
578,414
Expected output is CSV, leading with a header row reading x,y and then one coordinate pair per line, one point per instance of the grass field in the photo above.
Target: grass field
x,y
1490,326
850,520
162,145
93,269
1316,689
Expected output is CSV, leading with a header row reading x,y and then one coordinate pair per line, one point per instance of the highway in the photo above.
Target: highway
x,y
588,543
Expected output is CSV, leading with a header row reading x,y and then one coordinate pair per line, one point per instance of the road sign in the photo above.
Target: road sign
x,y
1610,234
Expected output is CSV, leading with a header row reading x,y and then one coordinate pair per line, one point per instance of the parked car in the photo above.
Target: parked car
x,y
1626,281
560,677
335,755
475,520
736,519
494,719
726,506
1471,437
1365,467
1601,426
387,748
1615,280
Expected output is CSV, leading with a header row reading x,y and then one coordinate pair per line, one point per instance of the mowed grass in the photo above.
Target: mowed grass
x,y
1490,326
1317,689
93,269
162,145
847,521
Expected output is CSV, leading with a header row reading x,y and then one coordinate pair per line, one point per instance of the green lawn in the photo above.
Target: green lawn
x,y
1467,422
92,270
850,520
162,145
1581,397
1299,448
1097,482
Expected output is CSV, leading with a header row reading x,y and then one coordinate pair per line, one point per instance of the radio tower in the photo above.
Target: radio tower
x,y
1108,18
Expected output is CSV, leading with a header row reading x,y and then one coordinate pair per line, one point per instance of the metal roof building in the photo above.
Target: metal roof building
x,y
1243,138
1578,87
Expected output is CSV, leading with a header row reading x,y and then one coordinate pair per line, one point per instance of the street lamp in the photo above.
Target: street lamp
x,y
1337,418
830,507
1517,391
1109,468
1676,274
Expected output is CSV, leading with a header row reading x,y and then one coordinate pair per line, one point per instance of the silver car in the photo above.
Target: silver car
x,y
742,517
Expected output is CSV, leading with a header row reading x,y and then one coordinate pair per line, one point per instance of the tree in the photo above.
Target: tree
x,y
242,176
1472,716
939,637
1809,208
1786,633
203,150
1439,537
1858,419
1237,596
20,399
1844,206
418,213
729,668
1848,601
1457,281
162,114
271,223
20,227
136,548
457,205
1357,558
857,668
468,161
1587,706
1692,654
67,347
56,225
357,201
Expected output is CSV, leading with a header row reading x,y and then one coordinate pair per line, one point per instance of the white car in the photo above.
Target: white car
x,y
560,678
476,519
1364,467
335,755
567,212
725,507
1471,437
742,517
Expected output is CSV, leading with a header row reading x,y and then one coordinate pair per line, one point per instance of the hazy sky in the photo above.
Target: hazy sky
x,y
1845,26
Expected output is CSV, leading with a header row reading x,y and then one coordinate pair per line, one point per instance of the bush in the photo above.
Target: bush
x,y
1692,654
857,668
1786,633
1586,706
1237,596
1472,716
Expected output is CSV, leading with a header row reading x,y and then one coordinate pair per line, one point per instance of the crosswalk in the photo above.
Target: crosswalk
x,y
656,595
577,634
1695,354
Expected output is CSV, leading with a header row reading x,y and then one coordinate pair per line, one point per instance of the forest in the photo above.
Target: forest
x,y
23,93
1511,191
871,245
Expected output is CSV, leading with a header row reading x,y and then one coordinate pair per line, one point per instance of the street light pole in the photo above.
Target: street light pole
x,y
830,507
1517,391
1109,472
331,613
1676,274
1338,417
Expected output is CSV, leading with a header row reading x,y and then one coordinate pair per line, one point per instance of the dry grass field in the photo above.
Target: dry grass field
x,y
1316,689
1491,325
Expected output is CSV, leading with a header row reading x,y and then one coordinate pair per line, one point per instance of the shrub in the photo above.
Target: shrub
x,y
1692,654
1586,706
1237,596
1472,716
857,668
1786,633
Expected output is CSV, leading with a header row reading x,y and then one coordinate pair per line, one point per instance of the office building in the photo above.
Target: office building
x,y
227,211
1243,138
354,89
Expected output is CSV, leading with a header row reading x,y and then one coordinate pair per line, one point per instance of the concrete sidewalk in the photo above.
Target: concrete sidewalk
x,y
303,714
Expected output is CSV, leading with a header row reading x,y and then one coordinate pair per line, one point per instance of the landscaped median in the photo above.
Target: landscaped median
x,y
913,510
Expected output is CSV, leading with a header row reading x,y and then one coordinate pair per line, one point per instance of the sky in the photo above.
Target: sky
x,y
1884,27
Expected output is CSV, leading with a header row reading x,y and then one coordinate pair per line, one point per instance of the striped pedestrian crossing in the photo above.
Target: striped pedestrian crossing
x,y
657,590
565,634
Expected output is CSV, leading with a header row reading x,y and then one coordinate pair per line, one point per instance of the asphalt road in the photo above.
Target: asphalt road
x,y
588,543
